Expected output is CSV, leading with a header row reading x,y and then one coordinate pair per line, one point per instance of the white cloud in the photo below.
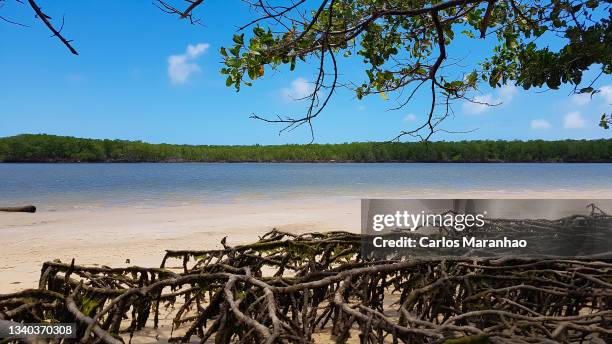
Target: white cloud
x,y
581,99
479,104
181,67
540,124
573,120
300,88
506,93
606,93
483,102
410,118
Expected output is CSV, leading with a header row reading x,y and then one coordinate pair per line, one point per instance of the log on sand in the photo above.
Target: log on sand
x,y
24,209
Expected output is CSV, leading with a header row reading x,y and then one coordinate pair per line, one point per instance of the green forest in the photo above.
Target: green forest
x,y
51,148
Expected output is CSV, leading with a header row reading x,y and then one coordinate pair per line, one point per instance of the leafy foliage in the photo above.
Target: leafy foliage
x,y
49,148
606,121
402,45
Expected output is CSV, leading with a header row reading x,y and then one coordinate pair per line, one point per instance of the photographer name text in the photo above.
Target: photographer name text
x,y
444,242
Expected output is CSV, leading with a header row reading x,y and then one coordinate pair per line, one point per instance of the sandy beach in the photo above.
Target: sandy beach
x,y
112,235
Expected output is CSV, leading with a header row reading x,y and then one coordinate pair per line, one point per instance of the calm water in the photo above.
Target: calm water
x,y
52,186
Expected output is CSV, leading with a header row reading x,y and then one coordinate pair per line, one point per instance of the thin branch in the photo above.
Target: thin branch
x,y
56,33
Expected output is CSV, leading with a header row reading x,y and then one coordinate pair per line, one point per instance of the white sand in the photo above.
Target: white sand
x,y
109,236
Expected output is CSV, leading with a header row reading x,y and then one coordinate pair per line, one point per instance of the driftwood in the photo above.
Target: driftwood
x,y
288,288
24,209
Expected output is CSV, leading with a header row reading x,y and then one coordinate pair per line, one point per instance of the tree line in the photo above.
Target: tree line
x,y
51,148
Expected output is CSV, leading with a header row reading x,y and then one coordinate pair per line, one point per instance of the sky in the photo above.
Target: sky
x,y
142,74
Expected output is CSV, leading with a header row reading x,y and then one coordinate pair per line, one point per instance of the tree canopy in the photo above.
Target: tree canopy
x,y
50,148
403,47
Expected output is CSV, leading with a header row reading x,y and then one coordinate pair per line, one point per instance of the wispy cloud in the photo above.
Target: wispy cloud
x,y
507,93
573,120
606,93
581,99
300,88
539,124
181,67
482,102
410,118
479,104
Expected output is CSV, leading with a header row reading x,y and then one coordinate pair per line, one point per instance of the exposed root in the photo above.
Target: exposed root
x,y
291,288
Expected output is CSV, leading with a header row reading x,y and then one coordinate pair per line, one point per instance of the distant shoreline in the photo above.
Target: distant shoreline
x,y
42,148
306,162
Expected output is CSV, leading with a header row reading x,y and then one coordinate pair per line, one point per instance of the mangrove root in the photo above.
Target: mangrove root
x,y
288,288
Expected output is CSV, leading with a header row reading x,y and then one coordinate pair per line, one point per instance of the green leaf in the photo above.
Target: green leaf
x,y
235,50
468,33
239,39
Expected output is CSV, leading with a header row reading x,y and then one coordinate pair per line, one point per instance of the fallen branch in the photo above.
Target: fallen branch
x,y
24,209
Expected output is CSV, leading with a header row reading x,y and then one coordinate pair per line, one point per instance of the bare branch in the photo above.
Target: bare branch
x,y
56,33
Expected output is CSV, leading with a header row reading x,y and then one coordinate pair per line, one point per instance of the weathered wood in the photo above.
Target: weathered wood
x,y
287,288
24,209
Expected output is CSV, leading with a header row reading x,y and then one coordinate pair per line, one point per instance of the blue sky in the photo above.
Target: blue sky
x,y
145,75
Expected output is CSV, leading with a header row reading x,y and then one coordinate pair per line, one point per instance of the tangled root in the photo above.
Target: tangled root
x,y
298,288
